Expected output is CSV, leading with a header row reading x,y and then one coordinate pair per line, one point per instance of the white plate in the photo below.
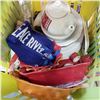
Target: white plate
x,y
73,47
86,38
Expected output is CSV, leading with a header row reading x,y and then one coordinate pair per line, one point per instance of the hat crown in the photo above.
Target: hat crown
x,y
57,9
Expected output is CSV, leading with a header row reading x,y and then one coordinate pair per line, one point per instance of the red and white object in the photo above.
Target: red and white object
x,y
65,63
45,76
58,76
14,62
75,57
61,75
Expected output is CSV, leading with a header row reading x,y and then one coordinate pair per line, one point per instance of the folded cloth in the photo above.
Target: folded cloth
x,y
46,75
31,47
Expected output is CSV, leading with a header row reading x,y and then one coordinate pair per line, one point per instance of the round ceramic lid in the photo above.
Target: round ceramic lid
x,y
57,9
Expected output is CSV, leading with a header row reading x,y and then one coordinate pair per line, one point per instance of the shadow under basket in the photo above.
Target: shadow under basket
x,y
43,92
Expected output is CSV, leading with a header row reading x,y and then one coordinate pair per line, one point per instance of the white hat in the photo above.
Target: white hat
x,y
59,21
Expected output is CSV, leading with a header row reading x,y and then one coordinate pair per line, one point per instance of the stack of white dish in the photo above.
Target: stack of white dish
x,y
62,24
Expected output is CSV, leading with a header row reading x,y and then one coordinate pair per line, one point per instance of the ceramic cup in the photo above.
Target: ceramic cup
x,y
58,22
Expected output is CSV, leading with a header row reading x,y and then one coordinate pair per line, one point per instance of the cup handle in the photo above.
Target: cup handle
x,y
70,30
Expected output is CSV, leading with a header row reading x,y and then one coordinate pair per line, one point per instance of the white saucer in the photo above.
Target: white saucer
x,y
73,47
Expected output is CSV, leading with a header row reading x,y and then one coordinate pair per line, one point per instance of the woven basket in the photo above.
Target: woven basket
x,y
43,92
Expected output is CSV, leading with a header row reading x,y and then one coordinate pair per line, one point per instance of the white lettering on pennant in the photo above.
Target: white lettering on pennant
x,y
33,43
39,49
46,55
26,37
30,42
15,32
21,37
22,32
36,45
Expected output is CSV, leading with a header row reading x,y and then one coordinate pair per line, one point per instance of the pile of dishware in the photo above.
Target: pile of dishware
x,y
53,57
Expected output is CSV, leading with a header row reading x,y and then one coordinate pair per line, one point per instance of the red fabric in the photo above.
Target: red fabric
x,y
73,55
58,76
86,58
55,74
65,61
13,59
